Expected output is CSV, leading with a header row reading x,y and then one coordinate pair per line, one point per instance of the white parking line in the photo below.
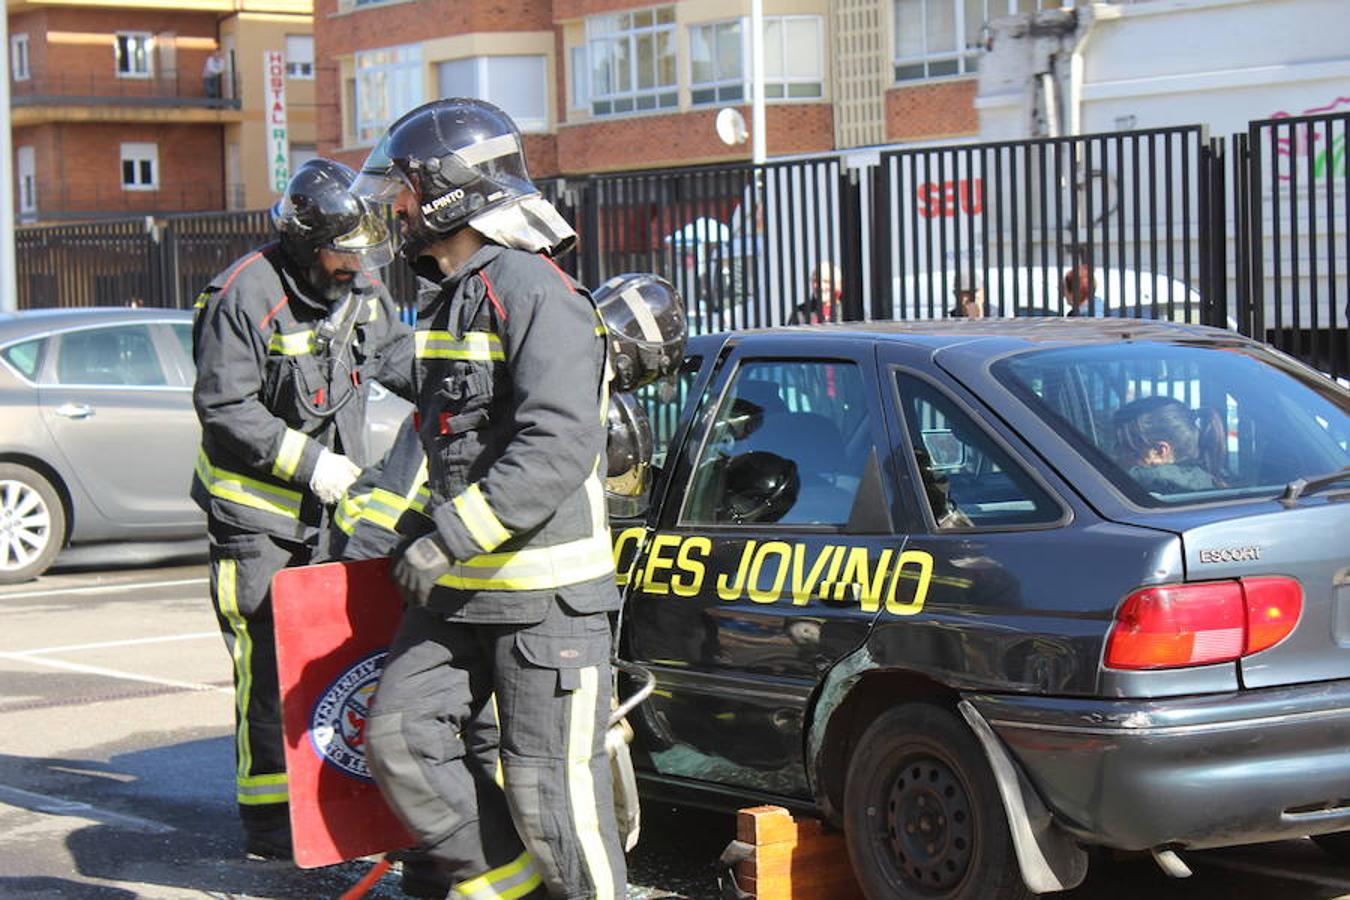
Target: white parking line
x,y
113,673
130,642
103,588
59,806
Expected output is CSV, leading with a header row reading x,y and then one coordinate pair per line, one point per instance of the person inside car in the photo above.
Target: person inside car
x,y
1160,445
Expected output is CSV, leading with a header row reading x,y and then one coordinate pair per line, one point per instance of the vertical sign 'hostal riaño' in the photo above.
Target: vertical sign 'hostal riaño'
x,y
278,144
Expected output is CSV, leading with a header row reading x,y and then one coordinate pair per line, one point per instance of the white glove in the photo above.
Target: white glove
x,y
333,474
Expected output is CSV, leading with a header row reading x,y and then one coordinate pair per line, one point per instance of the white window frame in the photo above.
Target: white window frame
x,y
18,57
300,70
139,152
777,86
634,100
580,95
724,90
367,129
966,58
149,39
25,168
483,86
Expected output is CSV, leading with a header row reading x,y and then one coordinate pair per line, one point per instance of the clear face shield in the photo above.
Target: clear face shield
x,y
368,244
379,181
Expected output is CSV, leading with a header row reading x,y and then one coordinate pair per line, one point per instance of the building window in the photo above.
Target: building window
x,y
718,62
27,176
793,60
581,83
135,50
388,84
140,167
632,61
18,57
936,38
300,56
515,83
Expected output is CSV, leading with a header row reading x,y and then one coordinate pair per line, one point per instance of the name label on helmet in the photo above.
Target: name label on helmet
x,y
443,201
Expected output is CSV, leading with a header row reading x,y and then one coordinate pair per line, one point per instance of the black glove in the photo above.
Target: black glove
x,y
425,560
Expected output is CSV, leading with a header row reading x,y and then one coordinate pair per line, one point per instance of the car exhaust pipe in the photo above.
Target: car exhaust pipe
x,y
1170,863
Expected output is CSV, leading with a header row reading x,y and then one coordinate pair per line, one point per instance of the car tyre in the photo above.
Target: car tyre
x,y
922,814
1336,845
32,523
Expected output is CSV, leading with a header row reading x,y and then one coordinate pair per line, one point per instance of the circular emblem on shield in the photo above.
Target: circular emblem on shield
x,y
337,727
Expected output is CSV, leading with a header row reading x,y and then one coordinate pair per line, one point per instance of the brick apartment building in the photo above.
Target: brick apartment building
x,y
113,114
604,85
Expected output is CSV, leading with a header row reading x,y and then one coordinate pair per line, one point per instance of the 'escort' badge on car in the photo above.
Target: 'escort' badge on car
x,y
337,727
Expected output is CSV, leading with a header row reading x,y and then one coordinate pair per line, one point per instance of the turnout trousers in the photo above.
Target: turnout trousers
x,y
242,566
550,822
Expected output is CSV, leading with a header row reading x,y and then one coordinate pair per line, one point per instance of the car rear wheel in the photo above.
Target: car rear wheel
x,y
1337,845
922,814
32,523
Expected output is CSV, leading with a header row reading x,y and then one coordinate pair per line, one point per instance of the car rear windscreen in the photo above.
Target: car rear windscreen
x,y
1178,424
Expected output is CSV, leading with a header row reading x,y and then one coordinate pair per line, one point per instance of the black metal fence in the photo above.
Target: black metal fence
x,y
1152,223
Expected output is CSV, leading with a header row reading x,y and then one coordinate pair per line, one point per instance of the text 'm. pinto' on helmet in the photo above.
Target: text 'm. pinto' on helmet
x,y
644,316
458,156
319,211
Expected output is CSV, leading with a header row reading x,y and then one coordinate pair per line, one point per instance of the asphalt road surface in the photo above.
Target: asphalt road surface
x,y
116,769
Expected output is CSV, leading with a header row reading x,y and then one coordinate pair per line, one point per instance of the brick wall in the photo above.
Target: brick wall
x,y
367,28
682,139
932,111
565,10
78,66
79,167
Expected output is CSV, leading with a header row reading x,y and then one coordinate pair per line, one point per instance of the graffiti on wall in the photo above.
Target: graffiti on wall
x,y
1304,141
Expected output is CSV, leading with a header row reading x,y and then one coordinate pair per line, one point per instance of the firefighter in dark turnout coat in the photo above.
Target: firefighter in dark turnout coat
x,y
510,592
285,340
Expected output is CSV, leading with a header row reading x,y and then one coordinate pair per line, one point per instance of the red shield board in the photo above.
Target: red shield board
x,y
333,623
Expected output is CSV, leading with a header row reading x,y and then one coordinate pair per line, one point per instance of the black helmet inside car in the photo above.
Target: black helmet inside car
x,y
758,487
458,156
644,316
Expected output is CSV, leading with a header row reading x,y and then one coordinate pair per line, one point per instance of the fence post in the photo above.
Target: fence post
x,y
883,301
1213,243
588,257
850,241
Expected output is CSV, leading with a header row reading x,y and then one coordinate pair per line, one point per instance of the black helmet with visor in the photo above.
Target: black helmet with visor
x,y
644,318
458,156
320,212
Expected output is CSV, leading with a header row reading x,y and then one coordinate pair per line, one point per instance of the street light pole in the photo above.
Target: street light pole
x,y
9,280
758,133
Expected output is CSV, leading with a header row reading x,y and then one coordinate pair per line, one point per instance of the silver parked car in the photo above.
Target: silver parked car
x,y
98,437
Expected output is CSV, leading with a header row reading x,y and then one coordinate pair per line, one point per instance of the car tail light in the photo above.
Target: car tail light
x,y
1175,625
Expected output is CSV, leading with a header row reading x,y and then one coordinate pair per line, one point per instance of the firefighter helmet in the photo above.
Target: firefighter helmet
x,y
458,156
318,212
628,451
644,316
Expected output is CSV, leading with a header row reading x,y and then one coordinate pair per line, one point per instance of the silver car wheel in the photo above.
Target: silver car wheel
x,y
25,525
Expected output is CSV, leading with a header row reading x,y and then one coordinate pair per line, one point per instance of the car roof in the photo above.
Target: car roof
x,y
38,321
938,333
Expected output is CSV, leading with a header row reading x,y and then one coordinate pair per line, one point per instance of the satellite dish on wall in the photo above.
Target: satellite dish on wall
x,y
730,127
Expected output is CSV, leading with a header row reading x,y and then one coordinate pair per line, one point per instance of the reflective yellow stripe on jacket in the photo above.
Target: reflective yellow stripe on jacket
x,y
295,343
535,568
475,345
292,450
247,491
378,507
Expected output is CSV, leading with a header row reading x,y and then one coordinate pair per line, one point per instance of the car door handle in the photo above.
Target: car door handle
x,y
75,410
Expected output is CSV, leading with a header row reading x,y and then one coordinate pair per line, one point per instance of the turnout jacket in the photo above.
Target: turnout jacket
x,y
258,368
511,386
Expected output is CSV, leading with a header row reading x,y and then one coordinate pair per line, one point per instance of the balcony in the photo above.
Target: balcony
x,y
166,89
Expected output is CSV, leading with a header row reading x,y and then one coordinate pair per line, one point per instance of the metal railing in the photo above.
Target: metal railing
x,y
1153,224
168,87
82,202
